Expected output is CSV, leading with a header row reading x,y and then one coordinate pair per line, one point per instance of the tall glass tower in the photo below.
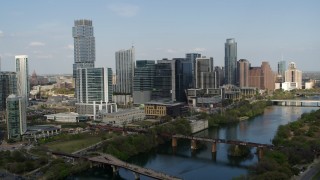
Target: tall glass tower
x,y
230,62
84,45
125,63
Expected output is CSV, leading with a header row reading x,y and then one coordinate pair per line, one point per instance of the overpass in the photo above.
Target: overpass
x,y
107,159
214,142
296,102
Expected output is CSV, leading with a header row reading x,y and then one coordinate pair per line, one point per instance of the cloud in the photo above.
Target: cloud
x,y
1,33
69,47
123,9
36,43
48,56
199,49
171,51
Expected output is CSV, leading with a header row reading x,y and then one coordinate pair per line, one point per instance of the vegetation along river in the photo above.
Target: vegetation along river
x,y
202,164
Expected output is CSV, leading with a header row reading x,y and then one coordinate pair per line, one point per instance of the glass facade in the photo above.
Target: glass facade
x,y
125,63
14,117
230,62
191,57
8,85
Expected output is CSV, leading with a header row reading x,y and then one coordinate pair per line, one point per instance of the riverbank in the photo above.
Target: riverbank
x,y
297,143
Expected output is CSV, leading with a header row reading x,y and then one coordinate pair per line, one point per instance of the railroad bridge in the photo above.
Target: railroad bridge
x,y
107,159
214,142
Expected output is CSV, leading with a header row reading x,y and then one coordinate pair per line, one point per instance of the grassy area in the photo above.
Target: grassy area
x,y
77,142
317,176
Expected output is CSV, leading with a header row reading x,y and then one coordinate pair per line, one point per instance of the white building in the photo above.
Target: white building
x,y
64,117
293,75
124,117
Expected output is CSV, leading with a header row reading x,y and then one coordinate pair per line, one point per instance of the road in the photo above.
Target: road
x,y
312,170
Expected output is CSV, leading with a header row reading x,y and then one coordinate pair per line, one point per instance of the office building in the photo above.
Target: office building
x,y
191,57
143,81
243,73
125,63
282,65
16,117
183,78
164,81
22,70
219,76
262,77
230,61
293,76
95,91
8,85
204,73
84,45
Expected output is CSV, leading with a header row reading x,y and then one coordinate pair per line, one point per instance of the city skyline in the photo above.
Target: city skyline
x,y
264,31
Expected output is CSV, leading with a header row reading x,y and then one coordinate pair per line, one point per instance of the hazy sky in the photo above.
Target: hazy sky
x,y
264,30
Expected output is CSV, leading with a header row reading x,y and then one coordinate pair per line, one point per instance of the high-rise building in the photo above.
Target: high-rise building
x,y
243,73
262,77
204,72
183,78
164,81
125,63
230,61
8,85
95,91
282,65
16,117
22,70
293,75
191,57
143,81
95,85
84,45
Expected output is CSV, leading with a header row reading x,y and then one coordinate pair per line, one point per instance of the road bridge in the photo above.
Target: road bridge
x,y
107,159
296,102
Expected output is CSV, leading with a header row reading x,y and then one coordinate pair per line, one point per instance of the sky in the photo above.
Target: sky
x,y
264,31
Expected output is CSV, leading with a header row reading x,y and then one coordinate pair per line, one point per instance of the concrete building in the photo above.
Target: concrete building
x,y
243,73
293,75
262,77
143,81
65,117
42,131
230,61
84,45
125,63
204,73
159,109
124,117
16,117
22,70
191,57
8,85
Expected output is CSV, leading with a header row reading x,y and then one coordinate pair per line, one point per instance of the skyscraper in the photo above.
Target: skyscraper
x,y
282,69
8,85
230,61
16,117
143,81
95,91
262,77
243,73
125,63
22,70
84,45
191,57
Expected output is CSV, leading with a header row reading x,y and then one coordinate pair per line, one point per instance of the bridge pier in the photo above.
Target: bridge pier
x,y
136,176
174,142
115,169
260,153
193,144
214,147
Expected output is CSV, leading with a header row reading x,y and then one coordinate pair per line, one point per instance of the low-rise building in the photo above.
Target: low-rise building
x,y
157,109
66,117
123,117
41,131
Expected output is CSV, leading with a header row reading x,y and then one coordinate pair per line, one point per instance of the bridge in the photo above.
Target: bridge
x,y
214,142
296,102
107,159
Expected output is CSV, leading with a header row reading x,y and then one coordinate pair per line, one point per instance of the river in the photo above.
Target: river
x,y
202,164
